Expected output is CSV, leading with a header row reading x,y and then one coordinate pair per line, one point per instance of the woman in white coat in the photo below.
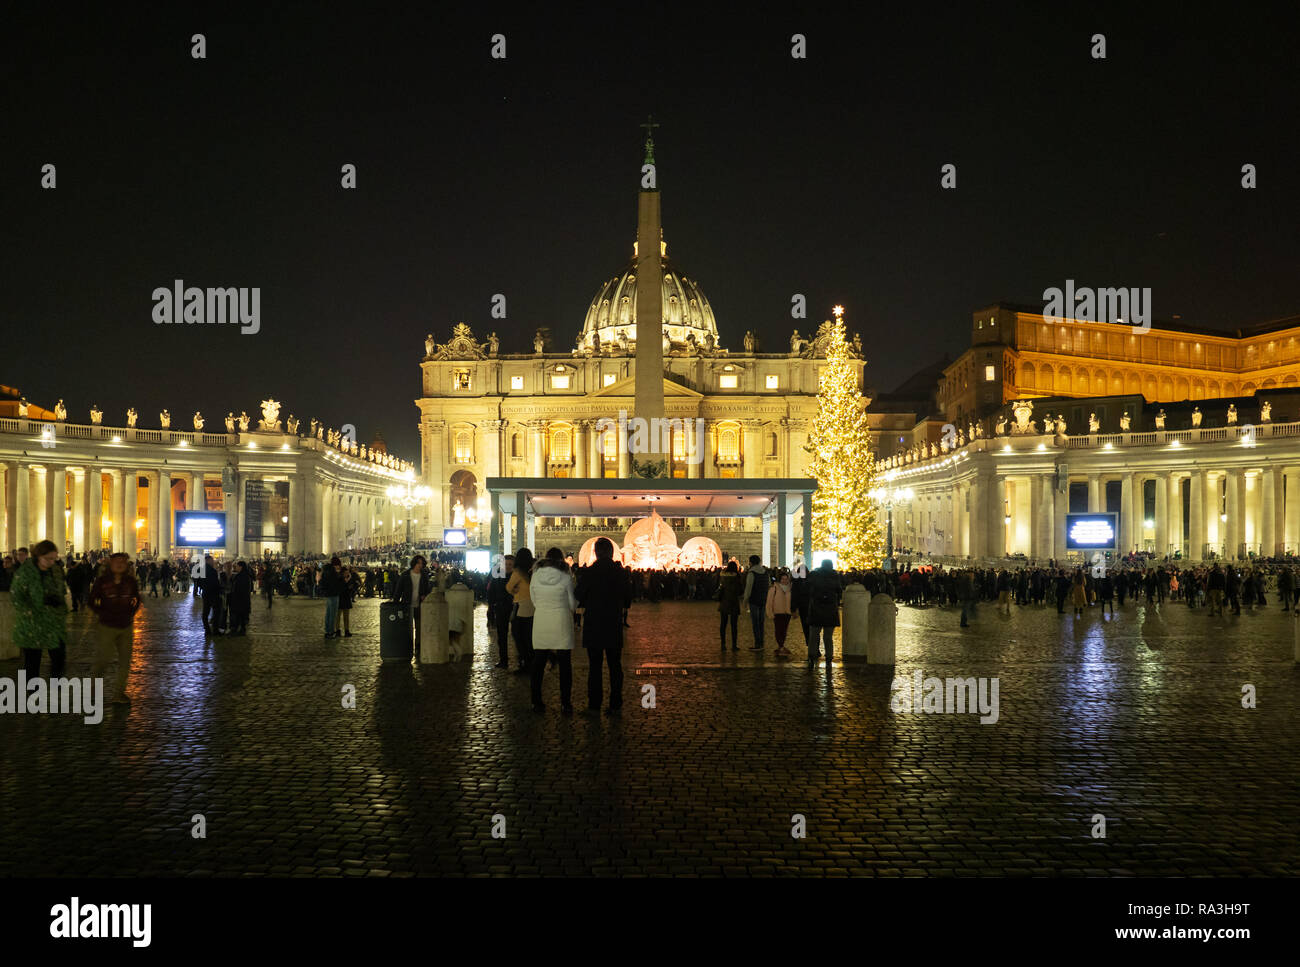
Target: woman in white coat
x,y
551,590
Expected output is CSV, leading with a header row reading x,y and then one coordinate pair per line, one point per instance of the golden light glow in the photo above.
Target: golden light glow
x,y
838,311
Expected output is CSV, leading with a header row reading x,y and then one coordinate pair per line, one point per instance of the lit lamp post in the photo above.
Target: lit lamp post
x,y
407,496
887,497
478,514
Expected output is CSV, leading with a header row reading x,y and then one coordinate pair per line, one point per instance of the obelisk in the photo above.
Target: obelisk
x,y
649,402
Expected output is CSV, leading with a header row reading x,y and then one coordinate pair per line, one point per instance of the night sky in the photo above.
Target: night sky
x,y
479,176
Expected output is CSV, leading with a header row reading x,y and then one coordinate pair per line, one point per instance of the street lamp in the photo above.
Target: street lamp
x,y
405,495
883,495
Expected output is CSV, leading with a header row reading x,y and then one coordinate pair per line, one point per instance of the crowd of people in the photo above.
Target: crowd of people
x,y
545,604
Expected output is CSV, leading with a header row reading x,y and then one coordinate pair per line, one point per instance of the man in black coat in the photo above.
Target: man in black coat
x,y
604,594
208,582
240,599
409,590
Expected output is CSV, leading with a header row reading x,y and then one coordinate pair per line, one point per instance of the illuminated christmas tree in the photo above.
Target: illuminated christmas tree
x,y
843,515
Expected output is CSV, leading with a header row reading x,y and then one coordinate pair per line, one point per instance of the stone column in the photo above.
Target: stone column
x,y
194,492
130,509
20,528
624,454
491,462
151,517
438,476
752,449
294,546
59,502
1292,499
1196,513
164,544
1044,518
1162,515
1127,528
1279,511
710,451
1268,512
978,519
539,448
77,501
313,505
234,526
1175,508
93,510
596,456
1061,508
1095,492
581,430
1232,491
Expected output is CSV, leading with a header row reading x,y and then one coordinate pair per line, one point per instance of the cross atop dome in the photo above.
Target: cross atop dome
x,y
649,124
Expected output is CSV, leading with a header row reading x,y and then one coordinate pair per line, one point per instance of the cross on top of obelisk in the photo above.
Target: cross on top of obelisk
x,y
649,124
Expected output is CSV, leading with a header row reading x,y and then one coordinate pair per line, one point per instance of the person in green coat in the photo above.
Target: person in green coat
x,y
40,611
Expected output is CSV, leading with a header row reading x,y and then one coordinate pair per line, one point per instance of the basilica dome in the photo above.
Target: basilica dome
x,y
687,312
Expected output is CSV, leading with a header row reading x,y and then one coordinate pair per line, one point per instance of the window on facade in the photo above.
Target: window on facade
x,y
989,374
515,449
560,381
460,379
772,445
464,446
516,382
679,445
611,445
729,444
610,378
561,446
773,382
727,381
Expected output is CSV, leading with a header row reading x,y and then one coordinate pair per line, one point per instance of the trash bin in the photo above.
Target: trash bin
x,y
394,631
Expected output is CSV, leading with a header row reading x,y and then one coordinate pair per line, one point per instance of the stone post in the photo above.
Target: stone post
x,y
854,630
880,630
460,619
434,628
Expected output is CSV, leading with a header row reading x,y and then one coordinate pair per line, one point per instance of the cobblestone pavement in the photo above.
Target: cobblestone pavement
x,y
1138,719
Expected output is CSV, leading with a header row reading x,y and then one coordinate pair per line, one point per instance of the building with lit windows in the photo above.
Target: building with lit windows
x,y
739,412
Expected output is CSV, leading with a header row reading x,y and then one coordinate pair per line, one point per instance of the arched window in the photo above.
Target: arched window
x,y
729,443
561,445
464,446
611,445
516,447
772,445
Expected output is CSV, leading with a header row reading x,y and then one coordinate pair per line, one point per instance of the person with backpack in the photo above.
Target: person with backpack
x,y
824,611
757,580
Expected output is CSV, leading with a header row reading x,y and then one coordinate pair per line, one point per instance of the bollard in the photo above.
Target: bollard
x,y
433,628
880,630
460,619
854,620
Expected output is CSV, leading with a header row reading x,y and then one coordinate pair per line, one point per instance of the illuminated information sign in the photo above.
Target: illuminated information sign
x,y
1089,532
454,536
200,528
